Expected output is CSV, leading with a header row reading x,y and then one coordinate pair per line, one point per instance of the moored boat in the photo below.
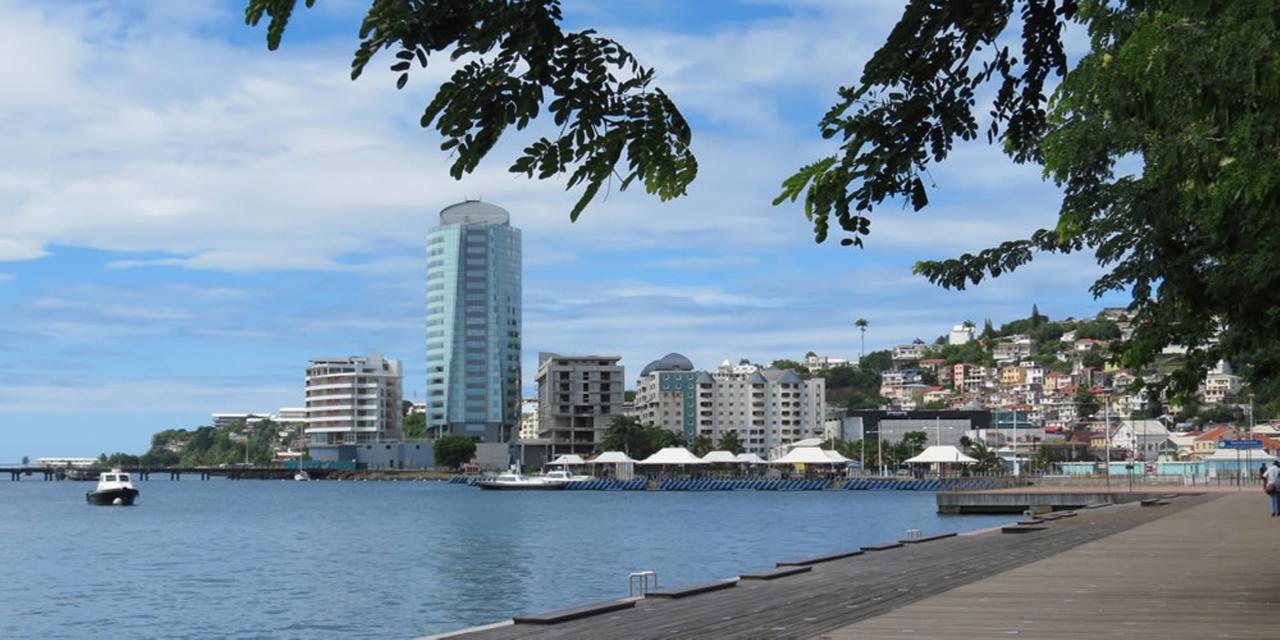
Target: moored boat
x,y
512,481
114,489
562,477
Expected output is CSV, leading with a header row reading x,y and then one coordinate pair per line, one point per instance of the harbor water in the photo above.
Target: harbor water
x,y
282,559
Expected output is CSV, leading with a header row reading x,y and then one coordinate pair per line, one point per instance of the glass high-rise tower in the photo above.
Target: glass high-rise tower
x,y
473,323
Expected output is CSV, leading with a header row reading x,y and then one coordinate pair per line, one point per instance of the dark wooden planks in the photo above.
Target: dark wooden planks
x,y
922,540
778,572
883,547
839,555
1022,528
575,613
837,593
693,589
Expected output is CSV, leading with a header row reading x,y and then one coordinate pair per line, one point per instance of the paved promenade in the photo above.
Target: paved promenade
x,y
1208,571
1182,542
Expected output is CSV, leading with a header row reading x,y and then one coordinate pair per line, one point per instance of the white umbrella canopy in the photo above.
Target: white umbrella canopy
x,y
674,456
750,458
721,457
808,455
568,458
941,454
612,457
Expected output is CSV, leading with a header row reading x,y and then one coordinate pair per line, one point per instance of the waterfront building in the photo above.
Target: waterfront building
x,y
577,398
766,408
941,427
353,400
473,323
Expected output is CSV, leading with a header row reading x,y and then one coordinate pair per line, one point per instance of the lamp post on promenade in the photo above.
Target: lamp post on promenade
x,y
1106,427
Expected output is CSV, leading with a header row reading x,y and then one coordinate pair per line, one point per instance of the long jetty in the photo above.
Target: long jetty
x,y
173,473
1191,566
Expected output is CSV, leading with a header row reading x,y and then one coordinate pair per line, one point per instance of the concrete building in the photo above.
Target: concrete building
x,y
960,334
222,420
941,427
815,362
291,415
907,355
577,398
528,419
766,408
353,400
1012,348
1221,387
473,323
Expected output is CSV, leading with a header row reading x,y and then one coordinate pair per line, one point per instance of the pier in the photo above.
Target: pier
x,y
172,473
1189,566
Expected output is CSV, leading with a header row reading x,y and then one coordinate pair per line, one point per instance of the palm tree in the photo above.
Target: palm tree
x,y
861,323
730,442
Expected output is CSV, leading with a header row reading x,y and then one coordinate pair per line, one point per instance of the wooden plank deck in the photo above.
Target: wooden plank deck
x,y
840,592
1210,571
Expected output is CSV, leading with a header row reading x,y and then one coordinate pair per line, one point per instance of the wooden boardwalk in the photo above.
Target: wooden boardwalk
x,y
1210,571
836,594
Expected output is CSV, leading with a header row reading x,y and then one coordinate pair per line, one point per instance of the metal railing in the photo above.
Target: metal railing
x,y
641,580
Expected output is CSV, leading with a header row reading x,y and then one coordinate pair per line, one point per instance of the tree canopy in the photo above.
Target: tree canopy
x,y
1162,137
454,451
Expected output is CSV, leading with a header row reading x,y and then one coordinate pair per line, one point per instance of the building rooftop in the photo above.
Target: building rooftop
x,y
474,212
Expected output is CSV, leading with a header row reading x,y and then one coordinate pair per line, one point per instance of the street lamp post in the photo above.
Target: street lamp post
x,y
1106,427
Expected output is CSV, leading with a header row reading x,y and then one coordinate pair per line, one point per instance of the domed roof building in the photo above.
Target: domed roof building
x,y
669,362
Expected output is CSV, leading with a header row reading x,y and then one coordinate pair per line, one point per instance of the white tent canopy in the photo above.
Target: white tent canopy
x,y
721,457
750,458
941,454
612,457
835,456
810,455
672,456
1257,456
568,458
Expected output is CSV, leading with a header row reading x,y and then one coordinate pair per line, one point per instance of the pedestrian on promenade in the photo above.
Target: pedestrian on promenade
x,y
1262,475
1273,487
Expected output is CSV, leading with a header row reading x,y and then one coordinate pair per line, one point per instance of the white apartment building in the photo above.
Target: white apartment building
x,y
1012,348
291,415
528,419
1221,387
767,408
577,398
354,400
815,362
907,353
222,420
960,334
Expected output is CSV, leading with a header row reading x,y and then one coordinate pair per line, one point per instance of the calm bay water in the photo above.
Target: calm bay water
x,y
281,559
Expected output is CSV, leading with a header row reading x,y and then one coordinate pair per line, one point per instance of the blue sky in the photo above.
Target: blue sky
x,y
187,218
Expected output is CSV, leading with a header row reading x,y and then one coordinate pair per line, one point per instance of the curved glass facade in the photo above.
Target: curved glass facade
x,y
473,323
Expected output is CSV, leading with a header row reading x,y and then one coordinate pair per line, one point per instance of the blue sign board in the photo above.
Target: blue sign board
x,y
1240,444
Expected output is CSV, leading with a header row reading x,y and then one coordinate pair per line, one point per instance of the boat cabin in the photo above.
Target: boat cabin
x,y
114,479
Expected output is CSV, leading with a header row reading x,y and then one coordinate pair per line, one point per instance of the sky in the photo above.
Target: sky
x,y
187,218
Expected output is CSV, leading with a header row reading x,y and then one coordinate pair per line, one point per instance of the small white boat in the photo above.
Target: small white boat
x,y
302,475
513,481
114,489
